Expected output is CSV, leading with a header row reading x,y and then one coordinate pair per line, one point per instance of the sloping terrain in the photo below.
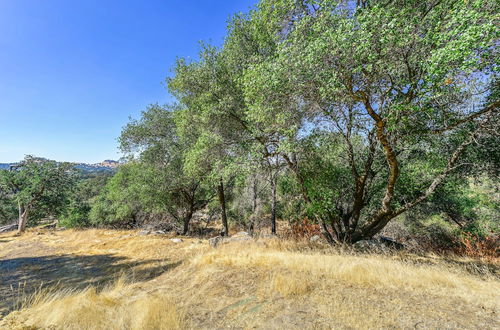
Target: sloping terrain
x,y
101,279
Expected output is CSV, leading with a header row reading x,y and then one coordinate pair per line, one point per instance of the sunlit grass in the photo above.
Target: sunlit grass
x,y
264,284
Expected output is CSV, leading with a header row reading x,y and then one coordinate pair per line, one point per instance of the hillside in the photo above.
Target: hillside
x,y
104,279
104,166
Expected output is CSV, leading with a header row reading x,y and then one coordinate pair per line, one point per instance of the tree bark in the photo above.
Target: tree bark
x,y
254,206
376,226
222,201
187,220
23,219
273,205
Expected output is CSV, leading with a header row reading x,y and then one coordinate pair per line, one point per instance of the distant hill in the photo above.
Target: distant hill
x,y
104,166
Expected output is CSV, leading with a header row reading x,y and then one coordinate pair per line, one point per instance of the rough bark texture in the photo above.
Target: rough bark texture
x,y
251,225
187,220
342,225
273,206
222,201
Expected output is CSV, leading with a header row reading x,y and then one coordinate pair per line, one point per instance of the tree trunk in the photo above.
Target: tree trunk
x,y
23,219
187,220
273,206
222,201
254,206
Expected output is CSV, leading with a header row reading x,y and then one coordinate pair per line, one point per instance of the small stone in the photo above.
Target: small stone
x,y
241,234
214,241
176,240
144,232
160,232
391,243
314,238
370,245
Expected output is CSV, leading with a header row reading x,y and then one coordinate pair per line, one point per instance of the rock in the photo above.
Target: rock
x,y
241,236
160,232
149,227
61,228
373,245
214,241
144,232
389,242
314,239
49,226
176,240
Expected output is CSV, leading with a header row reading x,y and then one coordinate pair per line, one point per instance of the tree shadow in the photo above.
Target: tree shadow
x,y
20,277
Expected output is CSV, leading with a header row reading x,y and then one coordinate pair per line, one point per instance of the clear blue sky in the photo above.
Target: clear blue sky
x,y
73,71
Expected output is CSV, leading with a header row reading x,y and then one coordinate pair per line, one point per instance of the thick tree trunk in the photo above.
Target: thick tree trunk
x,y
376,225
23,219
222,201
187,220
273,206
185,228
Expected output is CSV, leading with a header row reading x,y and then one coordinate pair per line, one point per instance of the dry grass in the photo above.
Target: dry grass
x,y
374,272
265,284
88,309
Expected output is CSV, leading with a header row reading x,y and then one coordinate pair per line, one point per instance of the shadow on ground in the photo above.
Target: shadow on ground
x,y
20,277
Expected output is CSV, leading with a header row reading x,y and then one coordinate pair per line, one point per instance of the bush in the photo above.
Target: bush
x,y
304,229
76,216
77,213
483,247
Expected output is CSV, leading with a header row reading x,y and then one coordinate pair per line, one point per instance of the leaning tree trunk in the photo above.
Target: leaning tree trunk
x,y
23,219
222,201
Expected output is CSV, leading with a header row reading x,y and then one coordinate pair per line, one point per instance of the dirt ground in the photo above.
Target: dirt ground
x,y
43,259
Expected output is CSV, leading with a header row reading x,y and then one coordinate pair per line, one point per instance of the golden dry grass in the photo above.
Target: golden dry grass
x,y
269,284
88,309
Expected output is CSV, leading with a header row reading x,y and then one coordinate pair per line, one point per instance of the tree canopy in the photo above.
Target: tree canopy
x,y
38,186
370,105
348,113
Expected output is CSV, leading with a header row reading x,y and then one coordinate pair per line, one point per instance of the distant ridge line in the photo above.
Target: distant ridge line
x,y
107,165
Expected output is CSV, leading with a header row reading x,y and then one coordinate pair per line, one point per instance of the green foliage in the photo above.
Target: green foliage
x,y
123,197
38,186
468,205
77,213
161,179
360,112
8,208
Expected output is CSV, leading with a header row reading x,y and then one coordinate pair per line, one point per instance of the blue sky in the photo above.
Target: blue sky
x,y
73,71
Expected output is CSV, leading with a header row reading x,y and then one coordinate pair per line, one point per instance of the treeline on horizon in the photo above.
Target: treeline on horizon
x,y
354,115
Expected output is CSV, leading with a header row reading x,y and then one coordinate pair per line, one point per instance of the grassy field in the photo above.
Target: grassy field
x,y
103,279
